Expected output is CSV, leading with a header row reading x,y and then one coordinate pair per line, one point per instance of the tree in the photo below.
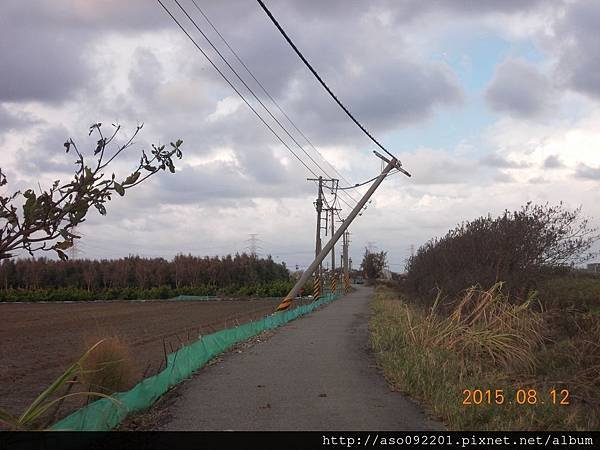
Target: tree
x,y
47,218
373,264
517,247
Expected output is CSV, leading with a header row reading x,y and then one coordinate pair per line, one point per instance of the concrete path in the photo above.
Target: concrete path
x,y
315,373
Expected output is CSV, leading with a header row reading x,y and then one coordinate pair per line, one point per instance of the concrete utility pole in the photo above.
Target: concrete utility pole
x,y
332,247
345,261
319,208
391,164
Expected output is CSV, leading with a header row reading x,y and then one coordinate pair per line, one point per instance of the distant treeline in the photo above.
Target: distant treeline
x,y
135,277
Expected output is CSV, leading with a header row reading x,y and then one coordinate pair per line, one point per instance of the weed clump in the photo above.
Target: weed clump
x,y
109,368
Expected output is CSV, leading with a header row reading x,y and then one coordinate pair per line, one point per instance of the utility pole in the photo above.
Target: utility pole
x,y
333,275
318,274
345,262
391,164
319,208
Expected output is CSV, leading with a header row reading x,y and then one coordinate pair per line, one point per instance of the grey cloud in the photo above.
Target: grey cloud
x,y
407,10
13,121
503,177
538,180
80,15
388,96
586,172
553,162
579,40
146,73
46,65
494,160
46,153
220,180
441,170
43,46
519,89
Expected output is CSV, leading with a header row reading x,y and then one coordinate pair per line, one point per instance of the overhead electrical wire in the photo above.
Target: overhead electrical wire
x,y
365,182
318,77
237,91
233,87
239,59
244,82
250,89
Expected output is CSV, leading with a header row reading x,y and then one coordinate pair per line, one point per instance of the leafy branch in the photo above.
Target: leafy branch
x,y
46,220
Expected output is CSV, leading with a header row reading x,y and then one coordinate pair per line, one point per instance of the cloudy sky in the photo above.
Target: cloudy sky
x,y
488,104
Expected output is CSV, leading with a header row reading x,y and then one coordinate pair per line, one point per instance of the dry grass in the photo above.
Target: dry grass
x,y
486,342
109,368
483,326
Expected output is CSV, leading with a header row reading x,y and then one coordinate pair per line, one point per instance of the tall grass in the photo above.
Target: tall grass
x,y
49,401
484,342
483,326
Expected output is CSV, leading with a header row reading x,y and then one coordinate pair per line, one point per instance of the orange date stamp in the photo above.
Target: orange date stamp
x,y
521,396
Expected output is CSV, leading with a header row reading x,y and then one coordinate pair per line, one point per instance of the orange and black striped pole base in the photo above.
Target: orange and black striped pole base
x,y
285,304
317,289
334,285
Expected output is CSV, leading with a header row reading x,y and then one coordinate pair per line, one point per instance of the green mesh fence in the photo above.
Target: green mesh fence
x,y
105,414
195,297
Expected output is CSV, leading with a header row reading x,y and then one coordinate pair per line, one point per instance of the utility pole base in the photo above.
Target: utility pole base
x,y
285,304
317,289
334,285
346,283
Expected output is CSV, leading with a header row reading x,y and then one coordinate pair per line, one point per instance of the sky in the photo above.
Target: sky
x,y
488,104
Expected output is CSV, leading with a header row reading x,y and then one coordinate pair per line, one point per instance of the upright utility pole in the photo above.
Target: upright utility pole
x,y
391,164
345,261
319,208
333,247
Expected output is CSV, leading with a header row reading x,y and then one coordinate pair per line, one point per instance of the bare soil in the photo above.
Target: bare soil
x,y
38,341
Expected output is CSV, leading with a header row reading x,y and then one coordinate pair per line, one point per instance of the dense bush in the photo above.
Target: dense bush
x,y
518,248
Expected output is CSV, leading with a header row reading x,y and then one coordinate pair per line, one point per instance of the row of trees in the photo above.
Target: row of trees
x,y
143,273
517,248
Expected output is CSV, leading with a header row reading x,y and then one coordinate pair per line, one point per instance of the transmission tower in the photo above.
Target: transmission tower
x,y
253,244
75,250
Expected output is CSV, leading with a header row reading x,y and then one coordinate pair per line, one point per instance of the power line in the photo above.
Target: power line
x,y
269,95
233,87
364,182
246,85
314,72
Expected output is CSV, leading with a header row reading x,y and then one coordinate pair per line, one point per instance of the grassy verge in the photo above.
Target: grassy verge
x,y
489,344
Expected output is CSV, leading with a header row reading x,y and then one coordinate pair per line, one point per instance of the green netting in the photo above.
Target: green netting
x,y
105,414
195,297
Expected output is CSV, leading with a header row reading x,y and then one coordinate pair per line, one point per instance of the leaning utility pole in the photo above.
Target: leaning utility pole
x,y
391,164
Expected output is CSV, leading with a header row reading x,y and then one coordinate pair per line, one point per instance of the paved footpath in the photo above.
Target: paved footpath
x,y
315,373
